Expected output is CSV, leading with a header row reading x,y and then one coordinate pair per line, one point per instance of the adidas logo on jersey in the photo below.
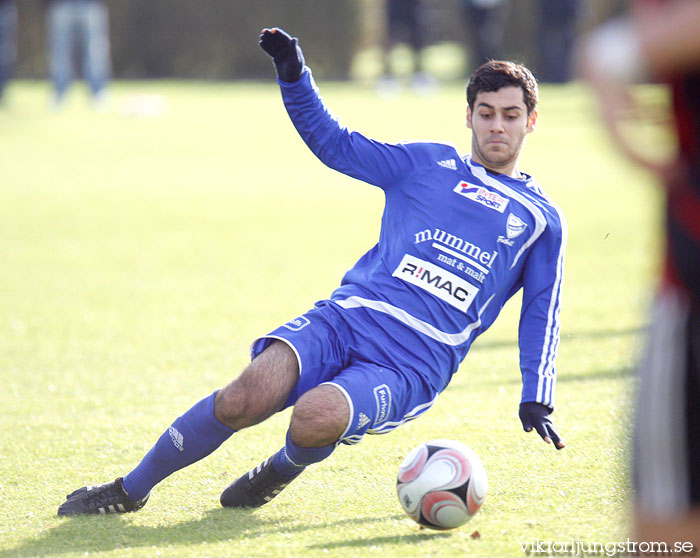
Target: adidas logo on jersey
x,y
448,164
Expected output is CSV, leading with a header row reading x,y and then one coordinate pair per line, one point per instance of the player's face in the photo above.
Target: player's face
x,y
499,124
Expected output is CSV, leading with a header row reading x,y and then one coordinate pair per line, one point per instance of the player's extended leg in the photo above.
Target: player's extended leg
x,y
319,418
362,398
260,391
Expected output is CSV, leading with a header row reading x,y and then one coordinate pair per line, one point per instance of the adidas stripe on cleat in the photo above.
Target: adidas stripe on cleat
x,y
103,499
256,487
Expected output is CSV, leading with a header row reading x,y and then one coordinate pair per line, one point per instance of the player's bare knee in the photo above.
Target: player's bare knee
x,y
245,402
320,417
260,391
230,405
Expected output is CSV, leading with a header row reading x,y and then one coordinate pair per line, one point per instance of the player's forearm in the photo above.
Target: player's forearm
x,y
539,385
669,36
540,325
652,40
539,346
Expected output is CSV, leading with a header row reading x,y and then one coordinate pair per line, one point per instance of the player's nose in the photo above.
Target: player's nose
x,y
497,123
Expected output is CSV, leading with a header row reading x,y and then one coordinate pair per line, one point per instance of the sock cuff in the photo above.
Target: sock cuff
x,y
306,456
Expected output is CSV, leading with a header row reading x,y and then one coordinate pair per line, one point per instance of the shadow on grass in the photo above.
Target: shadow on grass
x,y
380,541
84,534
562,378
566,337
610,374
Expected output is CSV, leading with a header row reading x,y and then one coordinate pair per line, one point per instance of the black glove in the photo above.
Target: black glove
x,y
285,52
536,415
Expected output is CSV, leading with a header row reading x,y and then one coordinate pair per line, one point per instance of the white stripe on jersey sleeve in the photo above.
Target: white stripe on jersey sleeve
x,y
545,390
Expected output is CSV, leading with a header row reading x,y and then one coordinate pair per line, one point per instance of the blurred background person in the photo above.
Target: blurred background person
x,y
660,39
83,24
557,32
486,21
405,25
8,42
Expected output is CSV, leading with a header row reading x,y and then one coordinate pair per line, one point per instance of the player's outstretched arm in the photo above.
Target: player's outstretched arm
x,y
346,151
285,52
536,415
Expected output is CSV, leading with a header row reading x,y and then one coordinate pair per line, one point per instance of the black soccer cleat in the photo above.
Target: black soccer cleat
x,y
256,487
103,499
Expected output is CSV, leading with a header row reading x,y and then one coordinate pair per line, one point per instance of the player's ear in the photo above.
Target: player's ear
x,y
469,117
532,121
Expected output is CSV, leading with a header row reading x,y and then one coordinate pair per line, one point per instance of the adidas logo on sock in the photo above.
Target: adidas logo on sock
x,y
177,438
448,164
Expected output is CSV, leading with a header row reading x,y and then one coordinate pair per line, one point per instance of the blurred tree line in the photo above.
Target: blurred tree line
x,y
217,39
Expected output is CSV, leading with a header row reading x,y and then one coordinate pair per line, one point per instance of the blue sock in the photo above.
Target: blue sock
x,y
191,437
292,459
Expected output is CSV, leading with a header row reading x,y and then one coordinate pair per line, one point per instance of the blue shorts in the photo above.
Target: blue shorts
x,y
381,395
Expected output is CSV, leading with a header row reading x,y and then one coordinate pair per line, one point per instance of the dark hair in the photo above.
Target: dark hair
x,y
500,73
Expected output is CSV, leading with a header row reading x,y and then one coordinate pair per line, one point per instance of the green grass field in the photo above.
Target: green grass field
x,y
139,256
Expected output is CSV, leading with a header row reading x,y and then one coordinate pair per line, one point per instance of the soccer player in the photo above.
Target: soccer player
x,y
661,39
460,235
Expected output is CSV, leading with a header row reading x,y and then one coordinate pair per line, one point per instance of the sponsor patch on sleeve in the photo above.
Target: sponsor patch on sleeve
x,y
297,323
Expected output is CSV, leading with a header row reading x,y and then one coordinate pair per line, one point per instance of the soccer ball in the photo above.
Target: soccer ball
x,y
441,484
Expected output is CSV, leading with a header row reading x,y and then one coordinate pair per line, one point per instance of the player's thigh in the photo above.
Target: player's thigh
x,y
380,399
317,341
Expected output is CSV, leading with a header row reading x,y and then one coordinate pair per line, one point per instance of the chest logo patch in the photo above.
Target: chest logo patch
x,y
515,226
484,196
437,281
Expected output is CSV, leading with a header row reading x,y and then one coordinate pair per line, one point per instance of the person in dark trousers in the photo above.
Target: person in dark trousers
x,y
8,42
486,21
81,25
558,20
405,24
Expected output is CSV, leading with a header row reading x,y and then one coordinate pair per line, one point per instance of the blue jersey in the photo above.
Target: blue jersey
x,y
456,243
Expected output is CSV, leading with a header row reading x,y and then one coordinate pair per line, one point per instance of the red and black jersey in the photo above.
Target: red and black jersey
x,y
683,197
682,262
